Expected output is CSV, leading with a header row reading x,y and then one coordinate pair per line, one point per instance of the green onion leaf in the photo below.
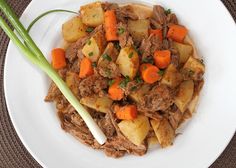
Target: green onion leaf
x,y
161,72
94,64
131,55
168,11
89,29
111,82
90,54
121,30
148,60
107,57
124,82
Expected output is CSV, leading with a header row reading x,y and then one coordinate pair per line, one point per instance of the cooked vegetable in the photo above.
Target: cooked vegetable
x,y
58,58
135,130
185,51
92,14
71,81
152,141
94,47
193,69
128,62
142,11
138,29
172,78
184,95
177,33
111,25
157,32
33,53
115,92
138,94
128,112
100,104
162,58
192,105
73,29
164,132
86,68
150,73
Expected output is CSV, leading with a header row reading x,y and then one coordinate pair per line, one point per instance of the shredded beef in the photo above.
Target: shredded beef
x,y
53,93
175,116
159,14
159,98
122,13
172,19
92,85
124,38
107,127
150,45
110,71
109,6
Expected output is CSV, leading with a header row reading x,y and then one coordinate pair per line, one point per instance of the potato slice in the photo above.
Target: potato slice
x,y
185,51
152,141
100,104
193,104
138,29
172,77
184,95
138,94
128,62
92,14
135,130
193,69
164,132
73,29
142,11
72,80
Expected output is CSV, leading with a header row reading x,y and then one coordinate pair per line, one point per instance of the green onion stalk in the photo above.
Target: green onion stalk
x,y
33,54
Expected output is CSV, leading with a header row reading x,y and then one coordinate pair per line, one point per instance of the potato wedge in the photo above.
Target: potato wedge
x,y
184,95
193,69
164,132
185,51
138,29
72,80
100,104
152,141
142,11
94,47
128,62
73,29
92,14
111,51
193,104
171,77
135,130
138,94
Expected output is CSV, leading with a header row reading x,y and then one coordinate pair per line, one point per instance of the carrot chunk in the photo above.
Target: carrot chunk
x,y
128,112
157,32
111,25
162,58
86,68
177,33
58,58
150,73
115,92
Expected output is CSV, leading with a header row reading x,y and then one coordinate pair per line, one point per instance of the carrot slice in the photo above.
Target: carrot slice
x,y
58,58
162,58
157,32
150,73
111,25
86,68
115,92
177,33
128,112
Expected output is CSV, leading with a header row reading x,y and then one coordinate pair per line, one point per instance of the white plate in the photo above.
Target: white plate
x,y
203,138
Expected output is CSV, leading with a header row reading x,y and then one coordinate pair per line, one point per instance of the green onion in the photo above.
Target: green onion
x,y
161,72
147,60
89,29
107,57
90,54
33,53
94,64
121,30
46,13
138,79
111,82
124,82
131,55
168,11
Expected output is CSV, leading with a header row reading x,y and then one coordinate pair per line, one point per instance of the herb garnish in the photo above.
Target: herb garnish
x,y
107,57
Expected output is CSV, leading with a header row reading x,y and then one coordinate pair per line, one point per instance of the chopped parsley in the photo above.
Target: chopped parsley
x,y
117,45
137,50
131,54
107,57
89,29
94,64
168,11
124,82
111,82
161,72
134,88
148,60
121,30
90,54
138,79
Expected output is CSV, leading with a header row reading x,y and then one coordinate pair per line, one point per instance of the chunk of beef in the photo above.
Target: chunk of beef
x,y
53,93
124,38
109,6
150,45
110,71
159,98
172,19
125,12
159,15
107,126
132,87
175,116
92,85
